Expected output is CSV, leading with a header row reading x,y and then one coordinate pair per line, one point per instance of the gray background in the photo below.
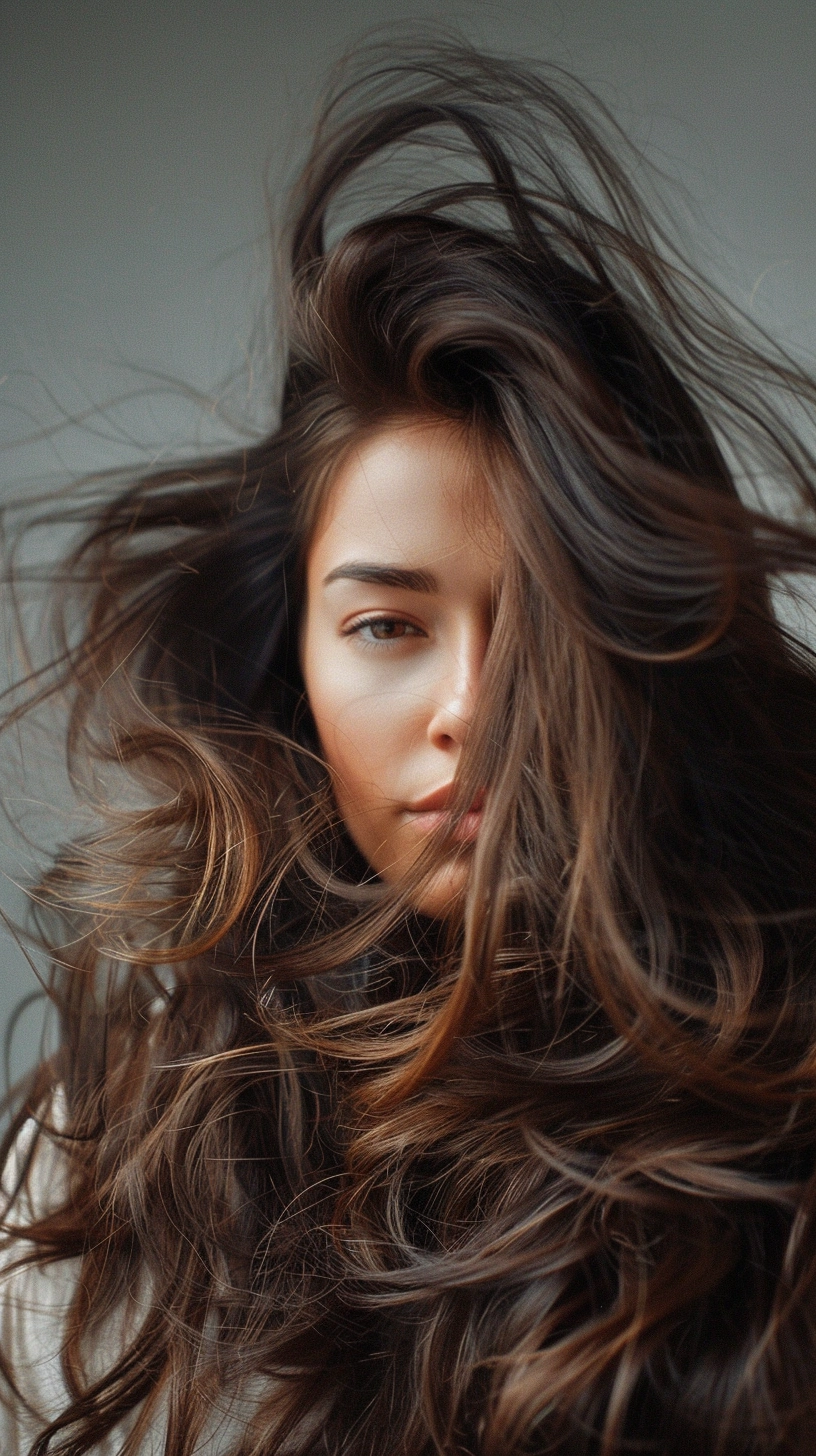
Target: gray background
x,y
135,141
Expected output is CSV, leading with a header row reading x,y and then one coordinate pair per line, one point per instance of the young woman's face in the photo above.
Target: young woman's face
x,y
400,585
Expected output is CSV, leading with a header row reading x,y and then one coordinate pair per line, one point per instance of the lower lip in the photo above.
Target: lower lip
x,y
434,819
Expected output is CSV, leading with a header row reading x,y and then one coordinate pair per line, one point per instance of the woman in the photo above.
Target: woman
x,y
437,1019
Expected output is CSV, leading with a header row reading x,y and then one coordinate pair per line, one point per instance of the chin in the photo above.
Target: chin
x,y
443,893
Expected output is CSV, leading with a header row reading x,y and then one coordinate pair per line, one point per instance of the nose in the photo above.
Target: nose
x,y
457,689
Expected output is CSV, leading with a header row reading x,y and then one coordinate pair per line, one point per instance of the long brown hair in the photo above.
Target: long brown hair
x,y
541,1179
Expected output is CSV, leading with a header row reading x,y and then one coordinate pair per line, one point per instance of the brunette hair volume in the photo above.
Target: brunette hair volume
x,y
540,1179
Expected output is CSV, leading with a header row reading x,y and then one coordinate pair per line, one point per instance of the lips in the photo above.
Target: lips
x,y
431,813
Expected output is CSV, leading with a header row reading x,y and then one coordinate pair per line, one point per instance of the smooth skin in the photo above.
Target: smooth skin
x,y
401,582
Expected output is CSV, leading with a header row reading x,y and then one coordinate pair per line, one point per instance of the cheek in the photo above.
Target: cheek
x,y
359,743
359,739
362,731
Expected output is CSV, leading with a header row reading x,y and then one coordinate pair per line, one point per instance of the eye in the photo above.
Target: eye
x,y
381,630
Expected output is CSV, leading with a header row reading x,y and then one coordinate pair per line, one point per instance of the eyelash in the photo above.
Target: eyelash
x,y
377,620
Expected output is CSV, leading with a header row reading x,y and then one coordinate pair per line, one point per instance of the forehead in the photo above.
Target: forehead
x,y
413,490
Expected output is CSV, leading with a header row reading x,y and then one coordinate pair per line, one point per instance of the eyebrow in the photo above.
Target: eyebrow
x,y
384,574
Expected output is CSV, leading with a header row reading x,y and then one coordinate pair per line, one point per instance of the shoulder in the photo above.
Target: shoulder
x,y
33,1180
34,1297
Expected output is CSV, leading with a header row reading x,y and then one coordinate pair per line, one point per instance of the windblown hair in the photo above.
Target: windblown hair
x,y
542,1179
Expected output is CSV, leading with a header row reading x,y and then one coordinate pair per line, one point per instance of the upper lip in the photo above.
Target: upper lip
x,y
439,800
